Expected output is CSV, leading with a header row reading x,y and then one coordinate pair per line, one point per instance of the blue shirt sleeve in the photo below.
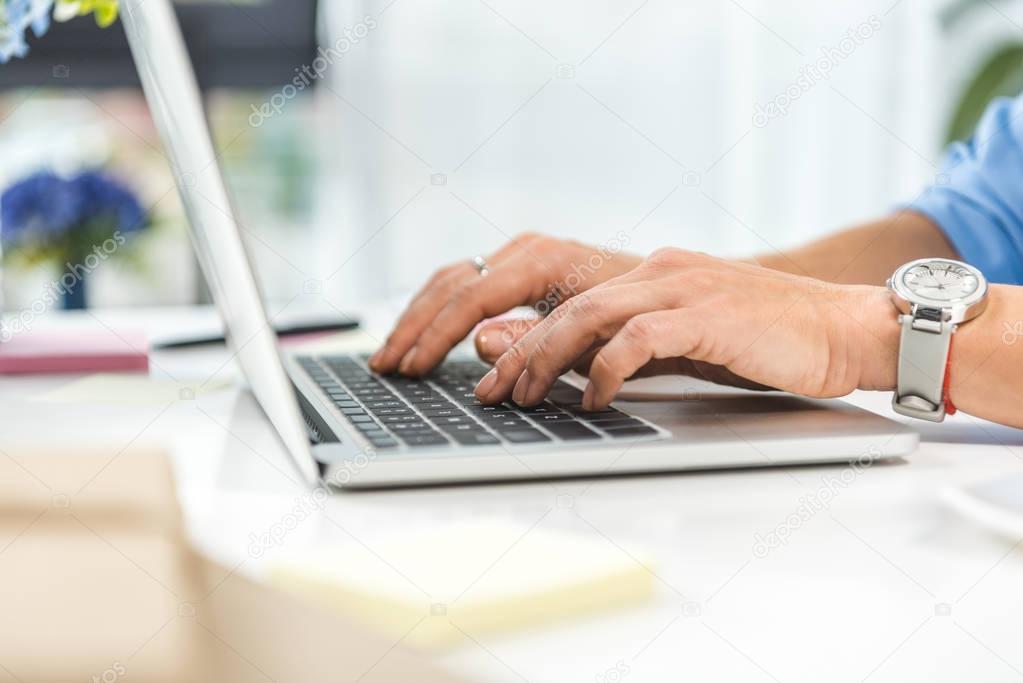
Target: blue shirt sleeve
x,y
978,200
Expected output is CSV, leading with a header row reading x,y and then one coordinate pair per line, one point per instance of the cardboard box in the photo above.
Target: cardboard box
x,y
97,583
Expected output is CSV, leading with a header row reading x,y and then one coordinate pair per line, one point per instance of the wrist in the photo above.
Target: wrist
x,y
874,333
983,351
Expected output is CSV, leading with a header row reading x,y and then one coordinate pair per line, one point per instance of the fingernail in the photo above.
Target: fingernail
x,y
588,397
486,384
491,345
521,388
374,360
405,367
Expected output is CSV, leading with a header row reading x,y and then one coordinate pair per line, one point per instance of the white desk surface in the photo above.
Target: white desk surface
x,y
887,583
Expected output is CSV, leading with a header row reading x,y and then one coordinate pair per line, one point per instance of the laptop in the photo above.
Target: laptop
x,y
348,427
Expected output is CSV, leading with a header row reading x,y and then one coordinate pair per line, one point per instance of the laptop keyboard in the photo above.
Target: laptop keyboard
x,y
441,409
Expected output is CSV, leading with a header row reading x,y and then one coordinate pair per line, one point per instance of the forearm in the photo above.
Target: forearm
x,y
986,360
866,254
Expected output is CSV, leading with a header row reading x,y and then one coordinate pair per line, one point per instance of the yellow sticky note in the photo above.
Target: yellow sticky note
x,y
473,578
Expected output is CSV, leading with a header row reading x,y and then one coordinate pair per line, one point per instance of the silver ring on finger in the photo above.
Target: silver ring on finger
x,y
480,264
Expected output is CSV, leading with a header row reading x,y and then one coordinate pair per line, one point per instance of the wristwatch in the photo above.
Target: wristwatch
x,y
934,296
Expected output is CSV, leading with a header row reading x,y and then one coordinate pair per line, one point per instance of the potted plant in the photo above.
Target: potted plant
x,y
77,223
1001,73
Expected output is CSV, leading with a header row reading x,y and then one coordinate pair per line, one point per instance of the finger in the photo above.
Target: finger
x,y
417,315
646,337
494,338
655,368
582,364
519,280
432,298
575,333
531,366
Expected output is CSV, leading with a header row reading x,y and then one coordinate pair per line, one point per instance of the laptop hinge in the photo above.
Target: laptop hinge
x,y
315,426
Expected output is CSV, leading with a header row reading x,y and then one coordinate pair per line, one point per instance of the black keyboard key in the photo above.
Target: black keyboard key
x,y
508,424
565,394
373,405
626,432
368,427
475,439
618,421
372,394
542,409
484,409
360,418
436,404
351,412
384,441
453,420
427,399
443,412
577,409
347,404
390,412
419,426
406,382
366,386
399,419
524,436
417,390
423,440
498,415
548,418
462,429
350,375
602,417
571,431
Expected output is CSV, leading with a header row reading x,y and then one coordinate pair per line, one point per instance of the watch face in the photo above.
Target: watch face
x,y
941,281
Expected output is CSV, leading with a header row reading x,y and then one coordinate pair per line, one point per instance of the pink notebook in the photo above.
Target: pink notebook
x,y
69,352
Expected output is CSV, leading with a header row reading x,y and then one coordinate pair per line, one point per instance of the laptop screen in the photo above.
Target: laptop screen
x,y
174,101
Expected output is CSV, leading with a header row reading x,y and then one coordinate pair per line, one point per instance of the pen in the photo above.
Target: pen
x,y
285,330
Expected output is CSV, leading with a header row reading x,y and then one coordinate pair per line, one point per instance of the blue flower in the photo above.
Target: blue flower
x,y
105,198
41,207
44,208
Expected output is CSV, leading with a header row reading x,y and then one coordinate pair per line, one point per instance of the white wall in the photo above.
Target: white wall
x,y
654,124
577,118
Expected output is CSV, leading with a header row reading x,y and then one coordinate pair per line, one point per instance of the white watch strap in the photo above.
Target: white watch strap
x,y
923,357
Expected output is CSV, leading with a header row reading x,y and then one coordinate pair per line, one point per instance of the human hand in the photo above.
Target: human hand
x,y
533,270
730,322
